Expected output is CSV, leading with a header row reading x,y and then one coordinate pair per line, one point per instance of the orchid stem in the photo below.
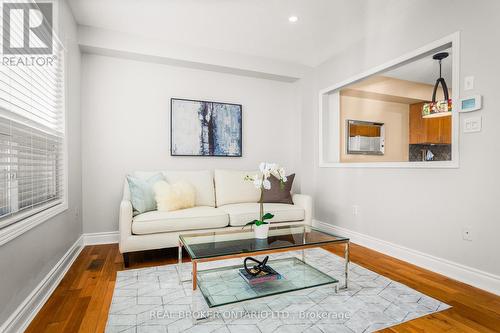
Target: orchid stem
x,y
261,200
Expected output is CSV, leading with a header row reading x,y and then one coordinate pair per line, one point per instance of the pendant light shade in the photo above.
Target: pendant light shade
x,y
443,107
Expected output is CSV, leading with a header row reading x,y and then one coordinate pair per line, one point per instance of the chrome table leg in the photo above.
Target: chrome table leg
x,y
346,267
179,263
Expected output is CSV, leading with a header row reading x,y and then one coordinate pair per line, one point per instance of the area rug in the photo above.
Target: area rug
x,y
153,300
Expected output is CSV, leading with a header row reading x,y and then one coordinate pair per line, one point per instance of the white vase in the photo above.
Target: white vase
x,y
261,231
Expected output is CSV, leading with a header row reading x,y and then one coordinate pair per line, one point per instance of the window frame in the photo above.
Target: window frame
x,y
28,220
330,117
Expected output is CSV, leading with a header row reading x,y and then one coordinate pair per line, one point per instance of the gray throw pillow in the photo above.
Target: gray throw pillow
x,y
278,195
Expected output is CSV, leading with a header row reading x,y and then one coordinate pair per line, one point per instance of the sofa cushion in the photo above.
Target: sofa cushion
x,y
141,192
170,197
242,213
231,187
202,180
200,217
278,194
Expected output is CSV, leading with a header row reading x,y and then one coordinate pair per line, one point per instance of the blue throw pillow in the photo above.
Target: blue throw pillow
x,y
141,192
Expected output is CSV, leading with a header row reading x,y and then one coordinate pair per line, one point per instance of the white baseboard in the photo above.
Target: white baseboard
x,y
26,311
462,273
96,238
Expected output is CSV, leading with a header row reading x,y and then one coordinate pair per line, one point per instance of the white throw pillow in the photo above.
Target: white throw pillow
x,y
174,196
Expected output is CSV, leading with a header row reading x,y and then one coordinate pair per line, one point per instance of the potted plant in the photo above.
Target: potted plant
x,y
261,181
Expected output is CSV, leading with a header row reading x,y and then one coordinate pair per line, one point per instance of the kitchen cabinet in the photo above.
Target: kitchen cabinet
x,y
370,131
428,130
445,130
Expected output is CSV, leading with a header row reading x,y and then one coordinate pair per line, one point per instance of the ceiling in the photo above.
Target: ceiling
x,y
258,27
424,70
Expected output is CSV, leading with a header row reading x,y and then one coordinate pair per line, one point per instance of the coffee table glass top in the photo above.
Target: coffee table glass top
x,y
222,243
224,285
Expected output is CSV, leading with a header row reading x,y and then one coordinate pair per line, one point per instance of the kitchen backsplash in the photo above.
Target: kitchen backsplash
x,y
441,152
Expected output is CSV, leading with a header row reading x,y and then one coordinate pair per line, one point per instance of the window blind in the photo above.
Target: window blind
x,y
32,131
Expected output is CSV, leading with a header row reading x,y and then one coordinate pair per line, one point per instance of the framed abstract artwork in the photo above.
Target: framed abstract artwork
x,y
202,128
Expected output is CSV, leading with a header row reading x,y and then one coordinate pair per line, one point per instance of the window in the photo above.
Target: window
x,y
31,174
32,131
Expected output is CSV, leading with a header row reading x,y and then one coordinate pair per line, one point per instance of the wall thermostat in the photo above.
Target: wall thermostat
x,y
472,103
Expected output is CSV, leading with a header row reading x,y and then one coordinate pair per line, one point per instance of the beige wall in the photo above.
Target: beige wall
x,y
395,116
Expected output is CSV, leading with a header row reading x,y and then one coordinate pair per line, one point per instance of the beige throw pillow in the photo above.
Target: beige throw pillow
x,y
174,196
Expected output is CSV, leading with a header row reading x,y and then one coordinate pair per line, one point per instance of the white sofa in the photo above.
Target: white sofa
x,y
224,201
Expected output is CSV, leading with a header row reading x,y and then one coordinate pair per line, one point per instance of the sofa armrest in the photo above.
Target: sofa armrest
x,y
304,201
125,223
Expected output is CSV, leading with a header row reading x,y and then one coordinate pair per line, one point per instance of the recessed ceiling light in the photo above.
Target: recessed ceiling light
x,y
293,19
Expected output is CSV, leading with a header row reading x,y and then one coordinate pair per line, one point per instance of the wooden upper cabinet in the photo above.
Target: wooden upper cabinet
x,y
417,126
428,130
433,130
364,130
445,130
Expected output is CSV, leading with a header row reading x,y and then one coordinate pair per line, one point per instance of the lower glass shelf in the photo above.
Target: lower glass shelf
x,y
224,285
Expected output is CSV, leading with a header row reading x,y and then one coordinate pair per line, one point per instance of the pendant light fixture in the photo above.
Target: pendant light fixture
x,y
443,107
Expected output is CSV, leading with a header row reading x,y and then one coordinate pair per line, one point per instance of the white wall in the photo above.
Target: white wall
x,y
422,209
125,125
27,259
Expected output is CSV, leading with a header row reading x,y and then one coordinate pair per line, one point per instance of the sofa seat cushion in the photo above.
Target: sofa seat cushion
x,y
200,217
242,213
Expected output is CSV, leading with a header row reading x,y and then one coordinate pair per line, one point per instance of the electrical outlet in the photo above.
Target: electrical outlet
x,y
355,210
467,233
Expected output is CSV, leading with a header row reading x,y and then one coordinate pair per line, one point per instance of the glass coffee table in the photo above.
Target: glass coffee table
x,y
224,285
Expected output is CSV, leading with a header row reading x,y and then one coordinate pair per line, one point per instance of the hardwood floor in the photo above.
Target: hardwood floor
x,y
81,301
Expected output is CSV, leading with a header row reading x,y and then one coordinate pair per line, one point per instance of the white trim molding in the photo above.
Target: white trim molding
x,y
97,238
329,113
27,310
18,228
459,272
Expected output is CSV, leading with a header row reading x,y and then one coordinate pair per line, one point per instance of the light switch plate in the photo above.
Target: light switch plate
x,y
472,124
469,83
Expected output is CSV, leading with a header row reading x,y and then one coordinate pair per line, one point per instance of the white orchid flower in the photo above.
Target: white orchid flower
x,y
280,174
266,170
262,183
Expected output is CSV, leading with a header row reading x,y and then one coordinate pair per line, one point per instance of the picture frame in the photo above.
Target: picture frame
x,y
205,128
